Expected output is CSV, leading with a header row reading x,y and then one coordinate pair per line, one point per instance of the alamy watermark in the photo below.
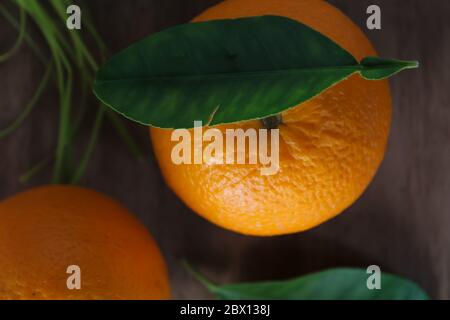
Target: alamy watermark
x,y
74,280
374,20
374,280
73,22
212,146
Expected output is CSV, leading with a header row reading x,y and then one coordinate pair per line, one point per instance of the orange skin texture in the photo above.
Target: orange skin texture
x,y
330,146
45,230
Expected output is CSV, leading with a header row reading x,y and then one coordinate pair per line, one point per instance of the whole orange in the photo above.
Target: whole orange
x,y
330,146
45,230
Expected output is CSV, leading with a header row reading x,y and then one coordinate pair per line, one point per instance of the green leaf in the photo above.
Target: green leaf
x,y
377,69
335,284
227,71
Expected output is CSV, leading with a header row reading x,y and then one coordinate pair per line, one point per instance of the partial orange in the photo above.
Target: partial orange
x,y
44,231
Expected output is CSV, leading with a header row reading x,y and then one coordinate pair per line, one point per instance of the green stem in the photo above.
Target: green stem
x,y
125,135
26,112
22,31
104,51
63,69
91,145
66,55
63,132
25,177
35,169
16,24
81,52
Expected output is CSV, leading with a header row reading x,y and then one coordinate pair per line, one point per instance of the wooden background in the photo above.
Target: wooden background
x,y
401,223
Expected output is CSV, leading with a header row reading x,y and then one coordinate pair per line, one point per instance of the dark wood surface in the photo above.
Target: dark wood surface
x,y
401,223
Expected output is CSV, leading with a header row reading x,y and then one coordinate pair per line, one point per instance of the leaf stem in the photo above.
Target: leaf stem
x,y
198,276
272,122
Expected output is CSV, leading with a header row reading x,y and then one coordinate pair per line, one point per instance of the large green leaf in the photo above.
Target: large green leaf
x,y
226,71
334,284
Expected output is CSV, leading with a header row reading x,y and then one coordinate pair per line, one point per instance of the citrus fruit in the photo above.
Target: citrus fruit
x,y
46,230
330,146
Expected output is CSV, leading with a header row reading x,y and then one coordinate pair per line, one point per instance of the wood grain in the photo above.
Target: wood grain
x,y
401,223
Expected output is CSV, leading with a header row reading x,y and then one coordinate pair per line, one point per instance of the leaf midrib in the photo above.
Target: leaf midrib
x,y
231,75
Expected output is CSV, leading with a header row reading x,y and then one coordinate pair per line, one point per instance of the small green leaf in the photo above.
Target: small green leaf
x,y
227,71
378,69
335,284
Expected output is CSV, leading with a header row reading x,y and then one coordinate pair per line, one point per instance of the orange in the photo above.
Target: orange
x,y
44,231
330,146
